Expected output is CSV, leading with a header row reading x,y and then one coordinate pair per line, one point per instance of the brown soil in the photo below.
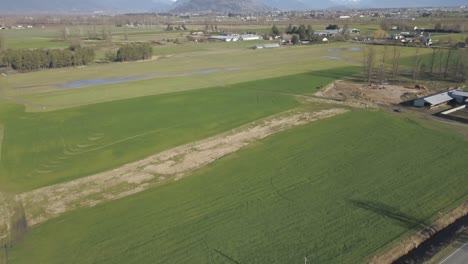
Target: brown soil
x,y
173,164
370,96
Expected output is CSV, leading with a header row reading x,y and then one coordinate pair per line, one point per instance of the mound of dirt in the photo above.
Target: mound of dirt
x,y
369,94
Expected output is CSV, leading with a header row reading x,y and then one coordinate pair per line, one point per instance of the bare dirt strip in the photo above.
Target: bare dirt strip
x,y
45,203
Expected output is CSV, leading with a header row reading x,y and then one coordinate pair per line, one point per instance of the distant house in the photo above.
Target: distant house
x,y
225,38
327,33
266,46
460,45
250,37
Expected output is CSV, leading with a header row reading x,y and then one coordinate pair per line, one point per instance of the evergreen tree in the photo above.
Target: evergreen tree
x,y
309,32
295,39
302,32
275,31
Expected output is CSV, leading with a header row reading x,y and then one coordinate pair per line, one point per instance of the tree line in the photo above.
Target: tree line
x,y
303,32
28,60
445,64
131,52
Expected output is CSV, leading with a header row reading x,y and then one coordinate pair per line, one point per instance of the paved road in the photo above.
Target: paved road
x,y
460,256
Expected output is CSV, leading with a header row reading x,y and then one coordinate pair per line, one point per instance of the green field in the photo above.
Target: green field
x,y
219,65
40,149
336,190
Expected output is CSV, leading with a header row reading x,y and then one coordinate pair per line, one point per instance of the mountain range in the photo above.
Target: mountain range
x,y
221,6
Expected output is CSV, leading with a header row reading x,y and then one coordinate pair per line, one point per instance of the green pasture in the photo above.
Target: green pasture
x,y
42,91
337,191
40,149
216,64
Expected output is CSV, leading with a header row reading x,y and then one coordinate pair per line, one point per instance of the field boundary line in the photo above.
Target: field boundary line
x,y
404,247
49,202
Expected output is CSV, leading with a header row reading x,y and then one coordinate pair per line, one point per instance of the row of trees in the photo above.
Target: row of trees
x,y
448,64
304,33
27,60
131,52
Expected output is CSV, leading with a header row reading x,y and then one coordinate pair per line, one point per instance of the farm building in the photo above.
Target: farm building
x,y
327,33
266,46
433,100
225,38
459,96
250,37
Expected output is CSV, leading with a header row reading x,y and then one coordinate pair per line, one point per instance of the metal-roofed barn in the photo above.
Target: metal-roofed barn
x,y
433,100
459,96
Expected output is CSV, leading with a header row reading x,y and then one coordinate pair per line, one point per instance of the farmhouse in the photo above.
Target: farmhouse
x,y
327,33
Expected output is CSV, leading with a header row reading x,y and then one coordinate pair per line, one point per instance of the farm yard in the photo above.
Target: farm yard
x,y
218,153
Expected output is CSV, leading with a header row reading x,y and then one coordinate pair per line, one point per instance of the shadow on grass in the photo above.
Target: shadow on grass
x,y
226,256
392,213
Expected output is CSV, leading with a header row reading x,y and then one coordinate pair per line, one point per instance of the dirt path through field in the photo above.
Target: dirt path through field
x,y
173,164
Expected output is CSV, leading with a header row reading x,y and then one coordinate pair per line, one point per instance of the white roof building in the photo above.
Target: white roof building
x,y
434,100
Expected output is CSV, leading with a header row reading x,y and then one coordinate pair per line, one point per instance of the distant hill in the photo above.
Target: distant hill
x,y
287,5
83,6
220,6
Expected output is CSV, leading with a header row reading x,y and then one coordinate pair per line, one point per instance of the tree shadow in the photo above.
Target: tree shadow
x,y
226,256
393,213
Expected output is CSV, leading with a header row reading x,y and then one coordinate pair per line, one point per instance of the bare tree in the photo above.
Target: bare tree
x,y
369,62
416,65
3,45
395,62
435,51
382,68
447,62
441,60
64,33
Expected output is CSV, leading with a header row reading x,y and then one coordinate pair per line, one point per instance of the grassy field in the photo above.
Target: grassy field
x,y
336,190
40,149
217,65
